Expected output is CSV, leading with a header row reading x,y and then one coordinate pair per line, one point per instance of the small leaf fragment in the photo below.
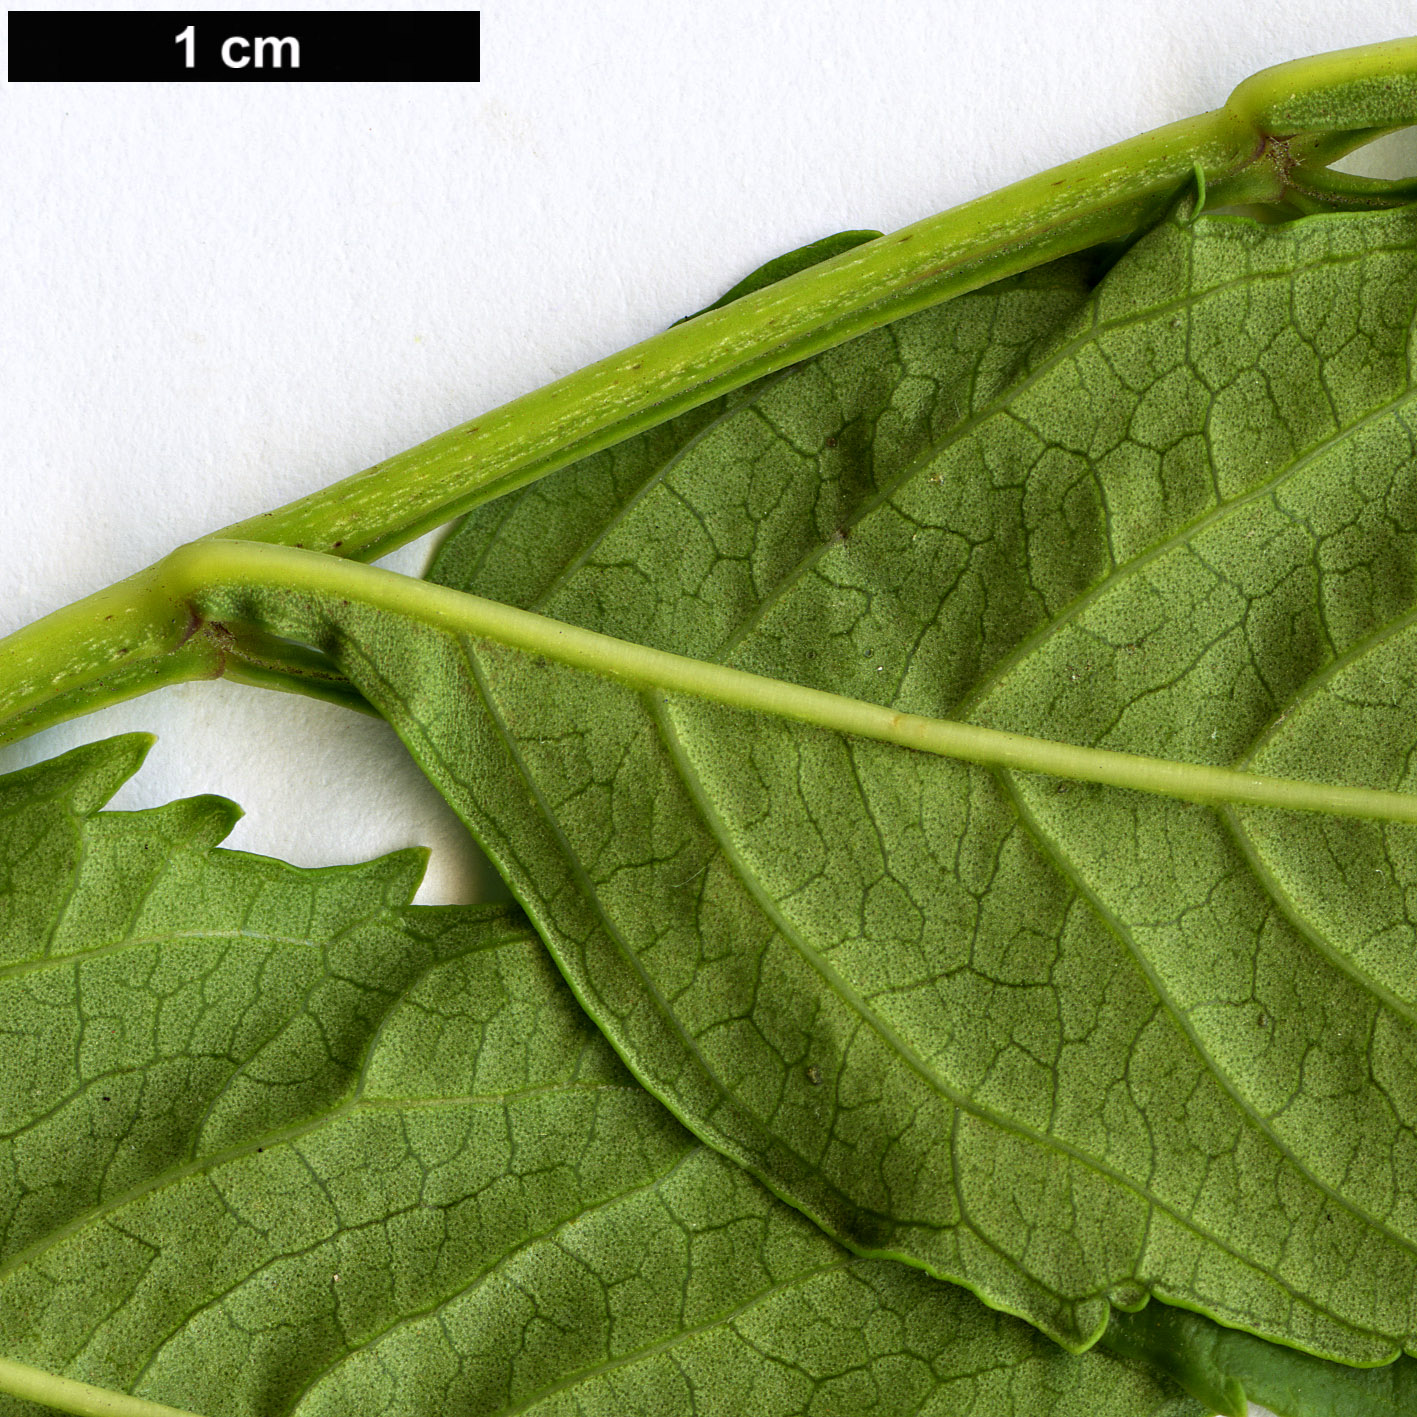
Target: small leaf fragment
x,y
788,264
1225,1368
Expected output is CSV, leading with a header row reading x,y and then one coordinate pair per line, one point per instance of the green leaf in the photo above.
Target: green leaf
x,y
273,1143
1226,1368
156,1008
788,264
1074,1046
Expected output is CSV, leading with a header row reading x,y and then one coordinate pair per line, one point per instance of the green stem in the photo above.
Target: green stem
x,y
133,637
299,594
1271,123
1288,120
114,645
85,1400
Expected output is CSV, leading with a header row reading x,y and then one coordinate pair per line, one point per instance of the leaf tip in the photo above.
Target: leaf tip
x,y
88,776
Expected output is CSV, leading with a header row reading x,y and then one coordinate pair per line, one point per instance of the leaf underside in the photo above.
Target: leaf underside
x,y
272,1142
1068,1045
1227,1369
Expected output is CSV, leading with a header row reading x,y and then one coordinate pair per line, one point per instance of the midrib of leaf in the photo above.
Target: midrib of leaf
x,y
333,619
959,1100
300,593
1311,441
577,870
55,1393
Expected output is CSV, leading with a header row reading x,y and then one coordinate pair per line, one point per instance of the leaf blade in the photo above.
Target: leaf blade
x,y
481,1211
1204,279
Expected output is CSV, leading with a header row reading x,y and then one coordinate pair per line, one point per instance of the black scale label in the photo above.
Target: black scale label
x,y
244,46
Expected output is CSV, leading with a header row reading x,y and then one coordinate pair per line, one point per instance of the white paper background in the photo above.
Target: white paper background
x,y
219,297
